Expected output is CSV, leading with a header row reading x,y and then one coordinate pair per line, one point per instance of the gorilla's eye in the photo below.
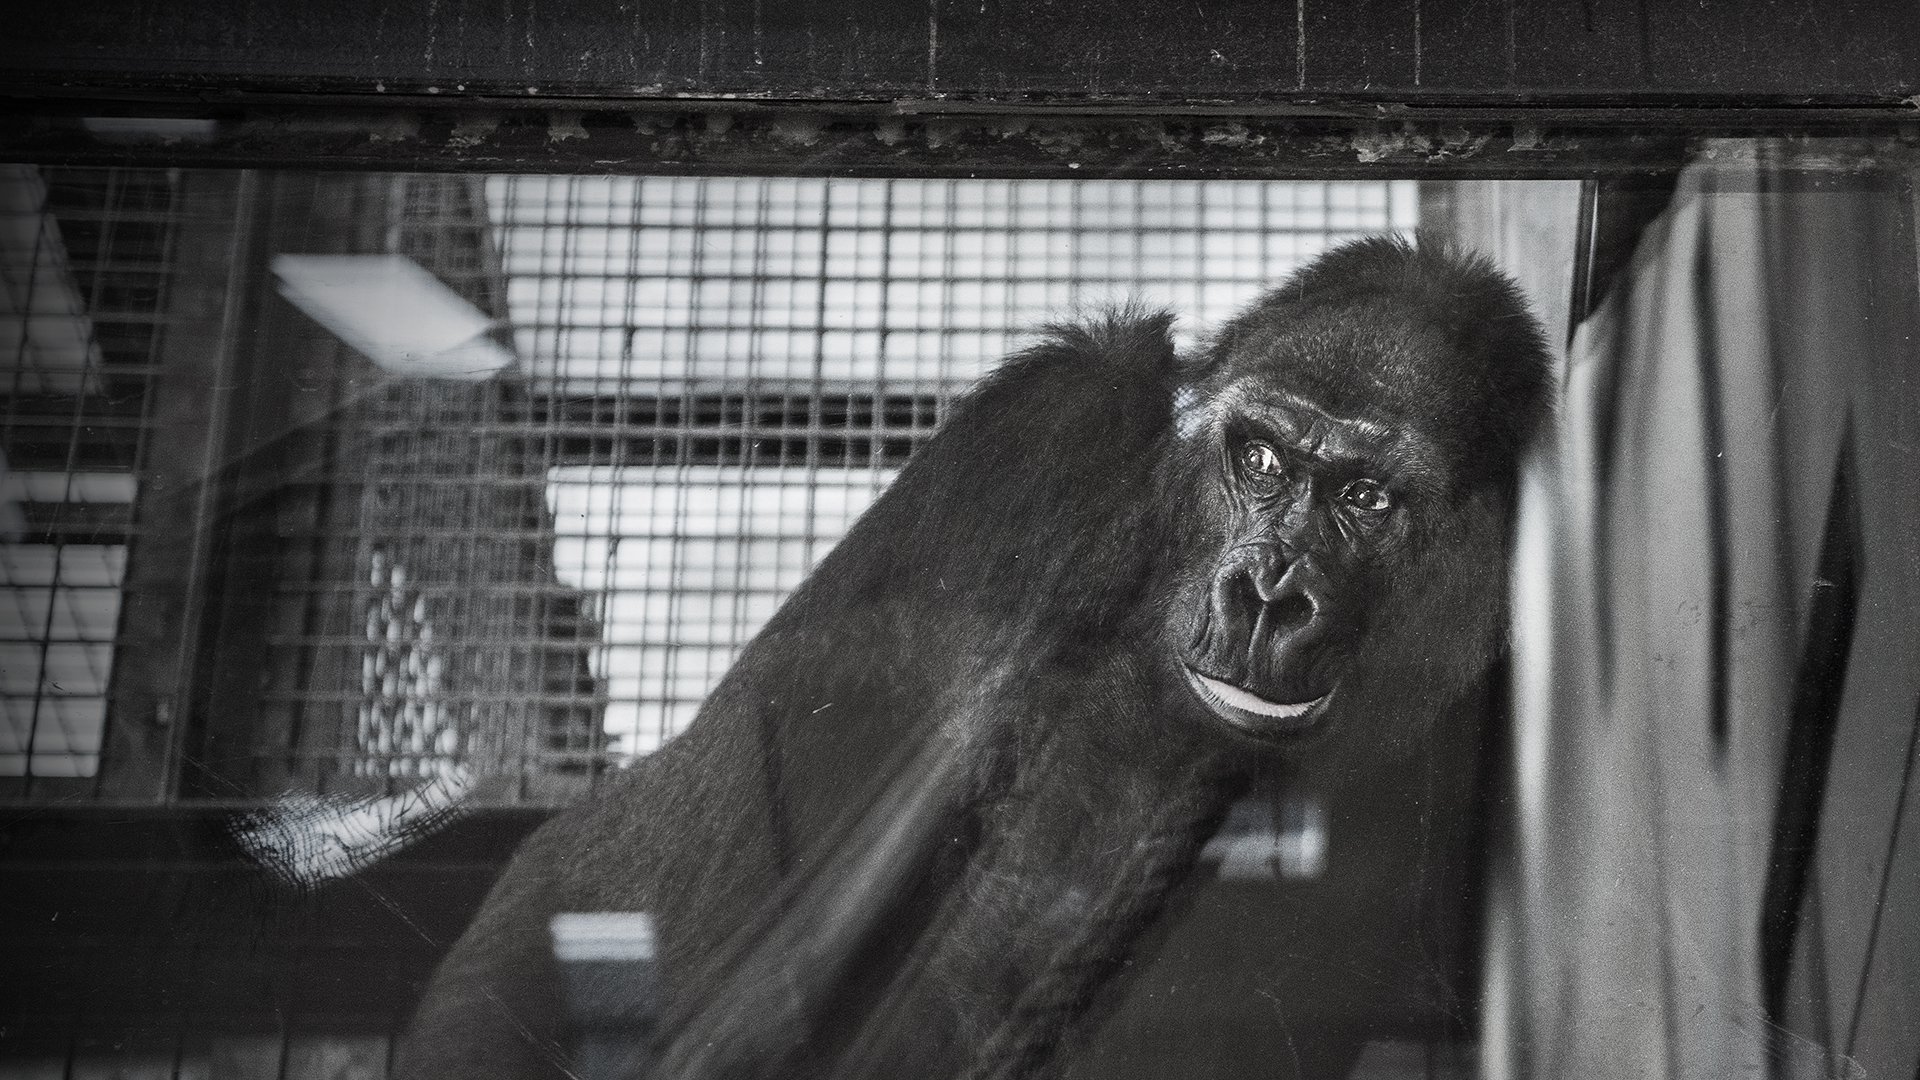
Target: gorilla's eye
x,y
1260,459
1365,495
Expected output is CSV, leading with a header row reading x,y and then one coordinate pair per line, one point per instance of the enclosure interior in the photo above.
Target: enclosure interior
x,y
439,496
464,490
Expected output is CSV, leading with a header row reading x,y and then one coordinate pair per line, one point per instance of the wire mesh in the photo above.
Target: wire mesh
x,y
432,631
544,572
82,280
745,363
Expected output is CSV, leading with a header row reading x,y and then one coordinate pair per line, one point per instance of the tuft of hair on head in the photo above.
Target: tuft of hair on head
x,y
1132,331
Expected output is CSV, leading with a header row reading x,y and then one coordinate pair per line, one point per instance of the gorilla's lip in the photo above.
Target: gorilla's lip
x,y
1251,713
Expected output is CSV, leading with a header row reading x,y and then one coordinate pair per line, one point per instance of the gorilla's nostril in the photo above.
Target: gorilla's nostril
x,y
1290,612
1249,594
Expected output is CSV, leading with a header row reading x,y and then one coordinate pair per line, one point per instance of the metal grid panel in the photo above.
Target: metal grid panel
x,y
547,571
760,355
420,625
82,277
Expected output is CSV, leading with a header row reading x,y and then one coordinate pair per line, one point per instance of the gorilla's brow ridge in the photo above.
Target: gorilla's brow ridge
x,y
1370,428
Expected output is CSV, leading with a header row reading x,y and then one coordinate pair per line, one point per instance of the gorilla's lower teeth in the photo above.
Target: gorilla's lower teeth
x,y
1229,694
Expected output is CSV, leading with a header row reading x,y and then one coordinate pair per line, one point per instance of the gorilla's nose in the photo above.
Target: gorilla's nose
x,y
1294,597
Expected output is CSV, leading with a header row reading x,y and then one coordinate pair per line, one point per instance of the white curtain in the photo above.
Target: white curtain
x,y
1760,344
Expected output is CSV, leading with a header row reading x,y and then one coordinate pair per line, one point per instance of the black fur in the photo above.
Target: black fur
x,y
917,828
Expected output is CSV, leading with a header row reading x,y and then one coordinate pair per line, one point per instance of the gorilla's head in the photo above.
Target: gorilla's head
x,y
1348,449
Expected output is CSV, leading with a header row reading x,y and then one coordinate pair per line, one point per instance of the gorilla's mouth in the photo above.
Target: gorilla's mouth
x,y
1251,713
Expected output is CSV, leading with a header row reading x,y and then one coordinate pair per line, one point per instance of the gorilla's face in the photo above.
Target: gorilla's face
x,y
1311,518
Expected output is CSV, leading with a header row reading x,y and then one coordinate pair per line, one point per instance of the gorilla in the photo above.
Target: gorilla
x,y
920,827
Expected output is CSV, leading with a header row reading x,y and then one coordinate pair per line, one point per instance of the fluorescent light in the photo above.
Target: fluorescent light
x,y
396,313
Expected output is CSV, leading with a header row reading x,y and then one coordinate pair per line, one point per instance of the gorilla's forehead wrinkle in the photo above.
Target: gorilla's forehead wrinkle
x,y
1308,425
1312,428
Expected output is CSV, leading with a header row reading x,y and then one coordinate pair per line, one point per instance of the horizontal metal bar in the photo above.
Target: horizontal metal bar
x,y
570,648
1366,136
72,420
499,590
634,428
534,698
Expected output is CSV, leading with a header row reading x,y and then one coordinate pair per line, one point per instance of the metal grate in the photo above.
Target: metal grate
x,y
730,370
536,574
419,625
83,275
